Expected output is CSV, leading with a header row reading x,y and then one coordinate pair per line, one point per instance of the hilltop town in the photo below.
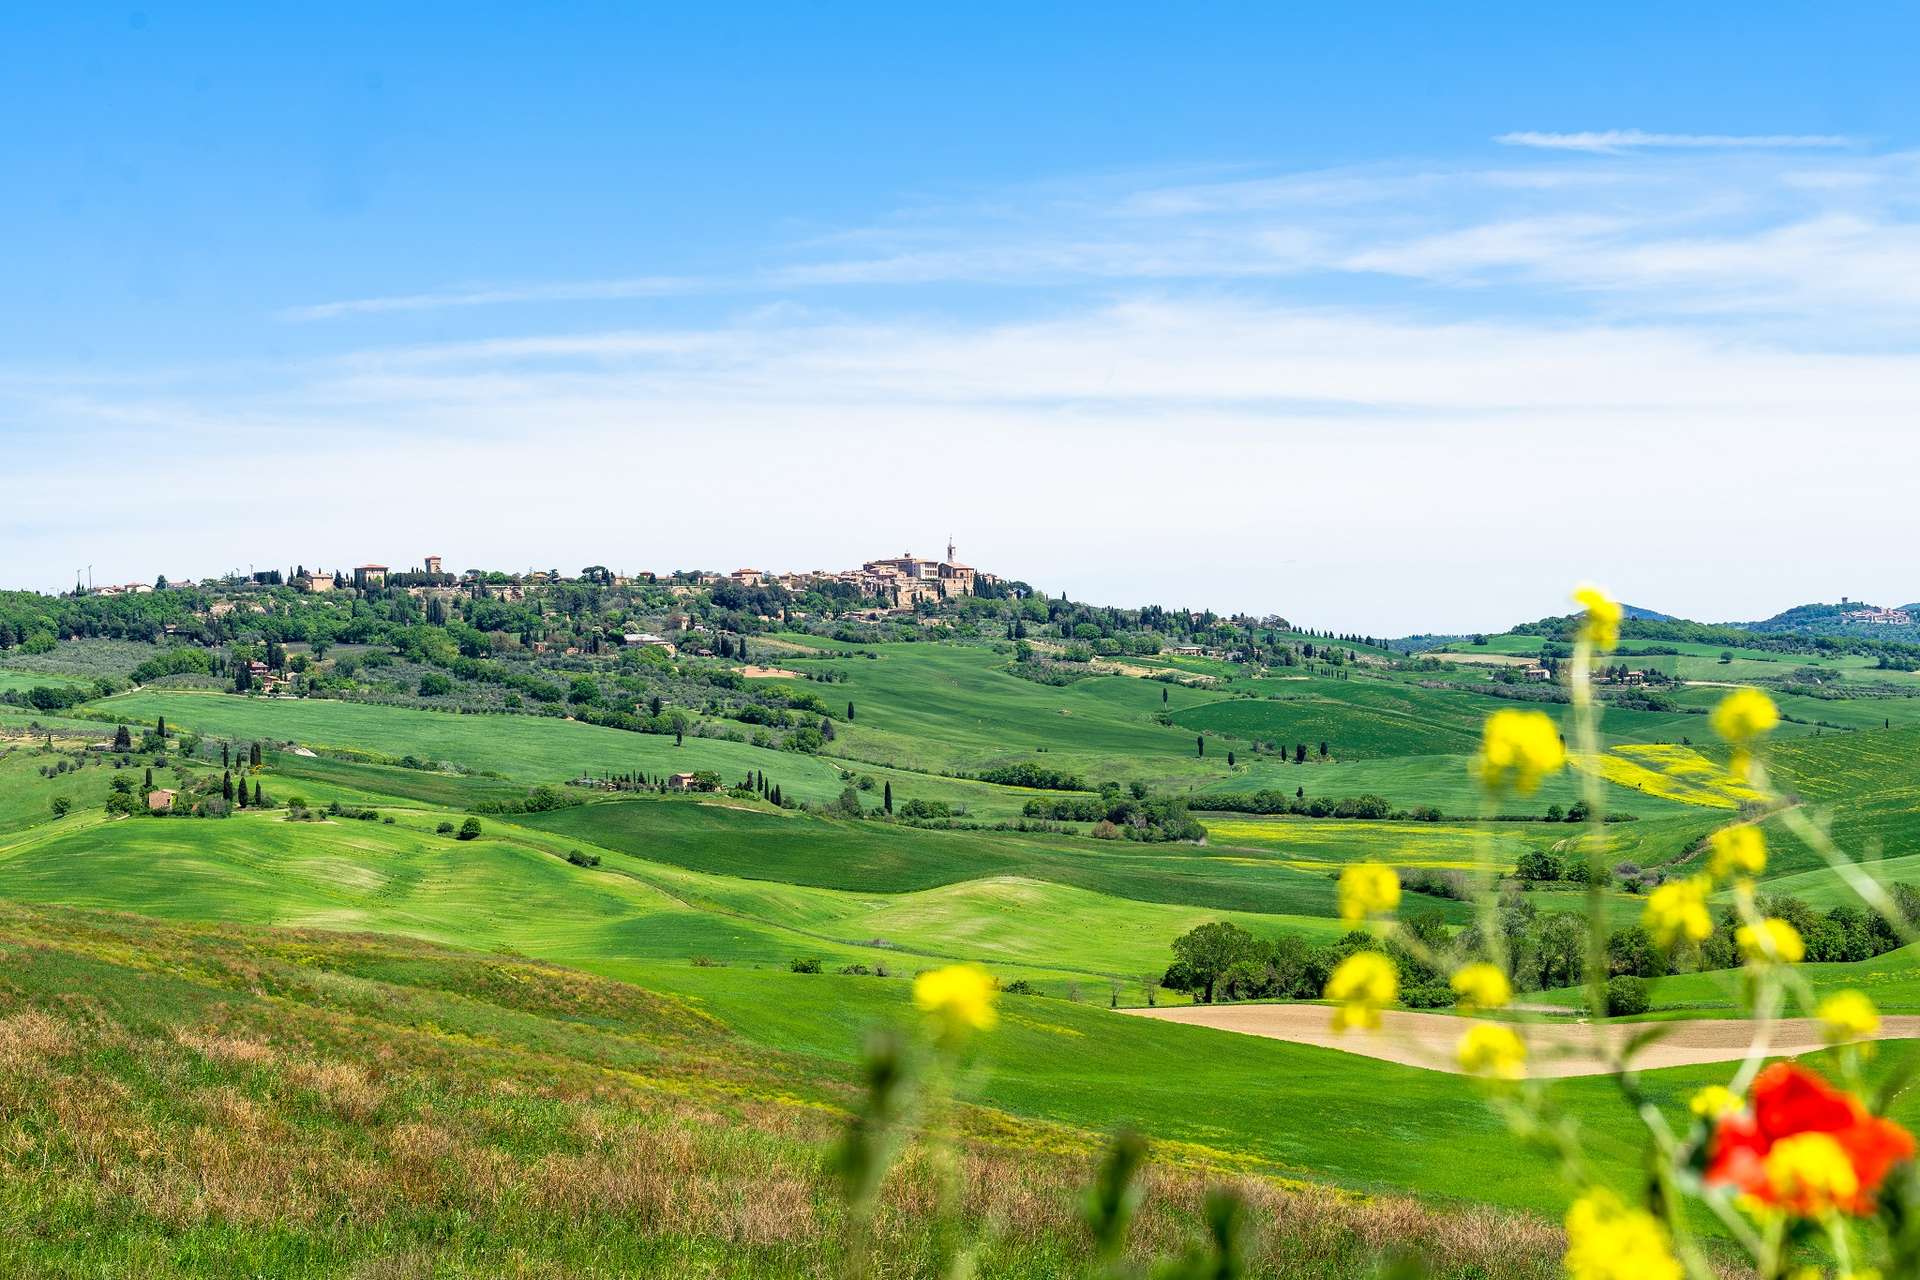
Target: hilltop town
x,y
888,583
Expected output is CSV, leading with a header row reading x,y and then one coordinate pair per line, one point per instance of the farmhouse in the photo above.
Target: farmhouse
x,y
160,801
433,564
369,575
647,640
680,782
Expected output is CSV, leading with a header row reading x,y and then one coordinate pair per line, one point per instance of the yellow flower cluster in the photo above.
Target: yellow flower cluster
x,y
1742,719
1772,941
959,998
1367,889
1744,716
1480,986
1601,627
1677,912
1362,985
1737,851
1493,1050
1714,1101
1606,1240
1848,1016
1517,749
1811,1169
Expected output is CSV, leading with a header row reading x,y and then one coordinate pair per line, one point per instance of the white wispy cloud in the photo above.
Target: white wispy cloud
x,y
1615,140
1421,356
565,291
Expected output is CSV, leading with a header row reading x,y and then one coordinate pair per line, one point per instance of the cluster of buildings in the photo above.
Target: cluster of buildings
x,y
1877,617
903,580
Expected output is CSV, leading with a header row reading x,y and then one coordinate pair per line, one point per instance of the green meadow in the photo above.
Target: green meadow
x,y
698,908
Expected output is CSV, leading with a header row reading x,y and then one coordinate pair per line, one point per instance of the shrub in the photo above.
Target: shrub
x,y
61,806
580,859
1627,996
470,829
1537,865
804,965
1427,996
1038,776
444,829
1020,987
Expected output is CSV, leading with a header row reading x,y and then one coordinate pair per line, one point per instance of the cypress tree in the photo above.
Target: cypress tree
x,y
849,712
240,796
1201,741
253,757
888,801
226,787
226,755
256,795
149,779
163,728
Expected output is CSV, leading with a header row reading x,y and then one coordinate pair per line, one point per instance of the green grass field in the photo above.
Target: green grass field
x,y
20,681
525,748
699,905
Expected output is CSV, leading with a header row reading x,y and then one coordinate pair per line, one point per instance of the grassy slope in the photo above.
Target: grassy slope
x,y
511,889
511,1100
23,680
943,707
521,747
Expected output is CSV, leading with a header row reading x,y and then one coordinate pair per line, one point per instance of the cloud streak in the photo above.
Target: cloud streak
x,y
1619,140
568,291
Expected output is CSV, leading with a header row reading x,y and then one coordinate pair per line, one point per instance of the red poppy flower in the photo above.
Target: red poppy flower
x,y
1787,1101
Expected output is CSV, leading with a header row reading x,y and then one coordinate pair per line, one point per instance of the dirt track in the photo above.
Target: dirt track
x,y
1555,1048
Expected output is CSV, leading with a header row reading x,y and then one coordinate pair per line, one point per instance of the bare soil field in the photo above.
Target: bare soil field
x,y
1555,1048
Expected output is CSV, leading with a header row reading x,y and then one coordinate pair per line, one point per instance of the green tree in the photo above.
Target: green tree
x,y
1207,951
470,829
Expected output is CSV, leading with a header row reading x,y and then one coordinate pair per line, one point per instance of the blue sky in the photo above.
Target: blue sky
x,y
1389,318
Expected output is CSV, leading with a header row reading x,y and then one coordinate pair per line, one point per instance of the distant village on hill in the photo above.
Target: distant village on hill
x,y
899,582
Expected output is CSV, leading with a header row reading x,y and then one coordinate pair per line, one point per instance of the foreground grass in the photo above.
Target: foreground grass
x,y
199,1101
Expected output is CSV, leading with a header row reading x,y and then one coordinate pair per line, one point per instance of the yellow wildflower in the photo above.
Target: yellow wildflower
x,y
959,997
1367,889
1601,626
1811,1172
1744,715
1771,941
1517,749
1608,1241
1492,1049
1677,912
1848,1016
1362,985
1714,1101
1481,986
1738,851
1742,719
